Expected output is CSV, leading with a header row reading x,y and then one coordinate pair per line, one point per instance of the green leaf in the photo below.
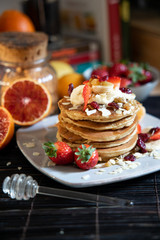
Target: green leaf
x,y
145,66
50,149
136,73
85,153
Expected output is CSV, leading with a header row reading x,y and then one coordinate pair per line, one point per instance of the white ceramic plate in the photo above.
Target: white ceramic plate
x,y
71,175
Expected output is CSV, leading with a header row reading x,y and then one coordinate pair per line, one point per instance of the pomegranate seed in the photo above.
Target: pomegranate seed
x,y
126,90
95,76
141,145
95,105
104,78
144,137
70,88
114,105
130,157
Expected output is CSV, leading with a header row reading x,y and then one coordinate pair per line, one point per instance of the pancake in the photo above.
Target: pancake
x,y
78,114
74,144
127,121
71,137
108,153
100,136
111,152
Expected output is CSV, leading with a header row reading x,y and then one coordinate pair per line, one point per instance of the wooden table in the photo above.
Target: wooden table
x,y
46,218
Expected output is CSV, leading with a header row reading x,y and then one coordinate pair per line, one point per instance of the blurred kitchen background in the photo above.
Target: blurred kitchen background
x,y
85,32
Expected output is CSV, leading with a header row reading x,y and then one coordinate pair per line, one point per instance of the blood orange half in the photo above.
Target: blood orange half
x,y
27,100
6,127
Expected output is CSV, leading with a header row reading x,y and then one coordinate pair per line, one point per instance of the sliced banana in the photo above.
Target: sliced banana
x,y
76,97
102,88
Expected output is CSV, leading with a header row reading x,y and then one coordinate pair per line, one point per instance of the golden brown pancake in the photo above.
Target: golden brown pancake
x,y
111,152
100,136
127,121
79,114
75,144
108,153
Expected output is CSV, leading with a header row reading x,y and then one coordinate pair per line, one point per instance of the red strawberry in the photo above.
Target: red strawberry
x,y
59,152
139,129
101,72
86,156
156,135
118,69
137,84
115,80
147,75
86,82
86,95
125,82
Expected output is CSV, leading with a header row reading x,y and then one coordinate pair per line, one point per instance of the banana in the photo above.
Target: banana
x,y
76,97
102,88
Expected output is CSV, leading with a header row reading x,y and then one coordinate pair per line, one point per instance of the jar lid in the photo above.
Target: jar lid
x,y
23,47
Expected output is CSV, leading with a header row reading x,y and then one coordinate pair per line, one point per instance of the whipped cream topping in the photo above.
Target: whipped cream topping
x,y
76,97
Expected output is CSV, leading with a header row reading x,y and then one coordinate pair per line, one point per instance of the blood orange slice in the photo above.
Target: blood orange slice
x,y
6,127
27,100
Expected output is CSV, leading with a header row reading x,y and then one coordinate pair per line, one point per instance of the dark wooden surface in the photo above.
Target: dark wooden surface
x,y
56,218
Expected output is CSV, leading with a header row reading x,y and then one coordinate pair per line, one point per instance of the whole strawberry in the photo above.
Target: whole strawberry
x,y
101,72
118,69
59,152
86,156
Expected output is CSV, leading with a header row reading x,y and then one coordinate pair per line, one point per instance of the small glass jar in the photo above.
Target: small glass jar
x,y
25,55
39,70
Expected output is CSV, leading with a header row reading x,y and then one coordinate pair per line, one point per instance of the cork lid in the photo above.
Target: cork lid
x,y
23,47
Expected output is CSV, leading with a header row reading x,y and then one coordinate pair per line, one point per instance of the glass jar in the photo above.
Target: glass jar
x,y
39,70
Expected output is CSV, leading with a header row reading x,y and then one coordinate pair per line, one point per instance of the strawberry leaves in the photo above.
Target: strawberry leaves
x,y
86,156
50,149
84,153
136,73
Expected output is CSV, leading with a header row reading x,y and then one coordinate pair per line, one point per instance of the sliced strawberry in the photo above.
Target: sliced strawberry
x,y
116,81
125,82
139,130
86,82
86,95
156,135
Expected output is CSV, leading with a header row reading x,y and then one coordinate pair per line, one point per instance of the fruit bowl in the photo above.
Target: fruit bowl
x,y
142,91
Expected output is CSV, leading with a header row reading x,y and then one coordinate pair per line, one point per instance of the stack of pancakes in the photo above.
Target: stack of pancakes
x,y
111,135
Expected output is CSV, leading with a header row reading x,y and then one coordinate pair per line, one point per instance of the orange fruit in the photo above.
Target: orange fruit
x,y
61,68
6,127
141,113
27,101
13,20
63,82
